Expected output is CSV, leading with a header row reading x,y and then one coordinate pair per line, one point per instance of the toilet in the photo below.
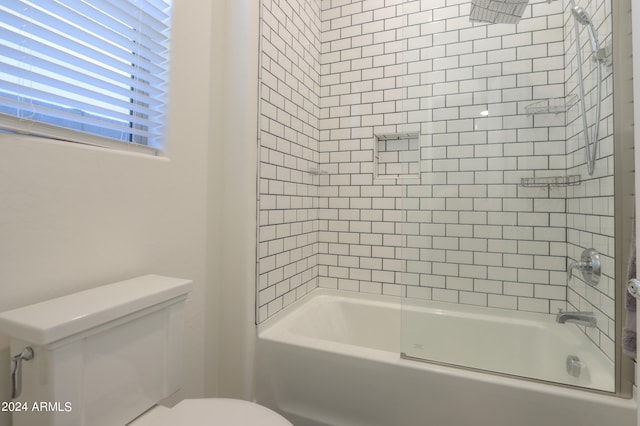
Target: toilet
x,y
107,356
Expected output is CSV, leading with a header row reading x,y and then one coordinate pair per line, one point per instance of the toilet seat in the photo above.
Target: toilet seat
x,y
212,412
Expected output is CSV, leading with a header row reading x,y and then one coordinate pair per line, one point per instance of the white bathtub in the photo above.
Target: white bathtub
x,y
332,359
524,344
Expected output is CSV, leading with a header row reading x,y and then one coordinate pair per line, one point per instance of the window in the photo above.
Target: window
x,y
86,71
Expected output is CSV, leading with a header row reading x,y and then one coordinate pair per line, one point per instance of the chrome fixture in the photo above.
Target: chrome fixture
x,y
633,287
599,56
16,371
590,266
583,18
587,319
497,11
574,365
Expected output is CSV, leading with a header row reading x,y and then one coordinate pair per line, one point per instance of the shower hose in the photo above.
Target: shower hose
x,y
590,141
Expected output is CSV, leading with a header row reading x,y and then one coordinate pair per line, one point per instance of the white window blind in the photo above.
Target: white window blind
x,y
85,71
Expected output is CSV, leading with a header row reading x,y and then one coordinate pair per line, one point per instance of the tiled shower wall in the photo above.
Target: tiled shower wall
x,y
288,152
472,233
465,230
590,205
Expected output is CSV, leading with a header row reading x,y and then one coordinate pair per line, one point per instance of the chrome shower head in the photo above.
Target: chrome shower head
x,y
581,15
583,18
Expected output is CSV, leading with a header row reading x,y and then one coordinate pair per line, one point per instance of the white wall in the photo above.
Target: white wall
x,y
75,217
232,195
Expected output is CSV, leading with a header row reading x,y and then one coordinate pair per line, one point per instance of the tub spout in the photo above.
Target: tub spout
x,y
583,318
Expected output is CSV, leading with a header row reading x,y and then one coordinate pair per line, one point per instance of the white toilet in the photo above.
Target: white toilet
x,y
107,356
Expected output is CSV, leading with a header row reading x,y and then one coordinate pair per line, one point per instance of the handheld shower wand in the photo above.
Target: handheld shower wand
x,y
583,18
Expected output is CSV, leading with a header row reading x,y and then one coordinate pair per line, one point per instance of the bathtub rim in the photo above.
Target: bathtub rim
x,y
268,331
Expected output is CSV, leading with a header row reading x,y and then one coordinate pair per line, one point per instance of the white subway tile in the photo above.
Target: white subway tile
x,y
350,71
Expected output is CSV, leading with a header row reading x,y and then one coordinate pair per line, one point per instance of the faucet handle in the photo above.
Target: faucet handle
x,y
27,354
589,265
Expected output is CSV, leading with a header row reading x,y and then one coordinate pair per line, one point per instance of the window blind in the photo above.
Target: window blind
x,y
85,71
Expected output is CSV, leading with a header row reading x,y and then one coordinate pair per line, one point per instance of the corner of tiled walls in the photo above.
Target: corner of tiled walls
x,y
590,205
288,153
347,83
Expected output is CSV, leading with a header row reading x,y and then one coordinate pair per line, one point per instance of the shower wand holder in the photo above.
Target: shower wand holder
x,y
589,265
604,55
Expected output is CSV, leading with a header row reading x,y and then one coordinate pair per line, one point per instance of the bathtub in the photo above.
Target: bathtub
x,y
333,359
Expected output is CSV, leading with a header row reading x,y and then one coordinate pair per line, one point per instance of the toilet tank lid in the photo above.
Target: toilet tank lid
x,y
49,321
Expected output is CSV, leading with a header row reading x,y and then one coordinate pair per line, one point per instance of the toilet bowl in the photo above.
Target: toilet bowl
x,y
211,412
111,354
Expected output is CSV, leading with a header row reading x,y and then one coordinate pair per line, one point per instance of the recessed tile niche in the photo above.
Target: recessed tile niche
x,y
397,155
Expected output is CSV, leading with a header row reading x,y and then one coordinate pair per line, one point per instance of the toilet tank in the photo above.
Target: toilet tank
x,y
101,356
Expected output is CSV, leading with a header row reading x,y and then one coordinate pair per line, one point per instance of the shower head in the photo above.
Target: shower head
x,y
581,15
583,18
